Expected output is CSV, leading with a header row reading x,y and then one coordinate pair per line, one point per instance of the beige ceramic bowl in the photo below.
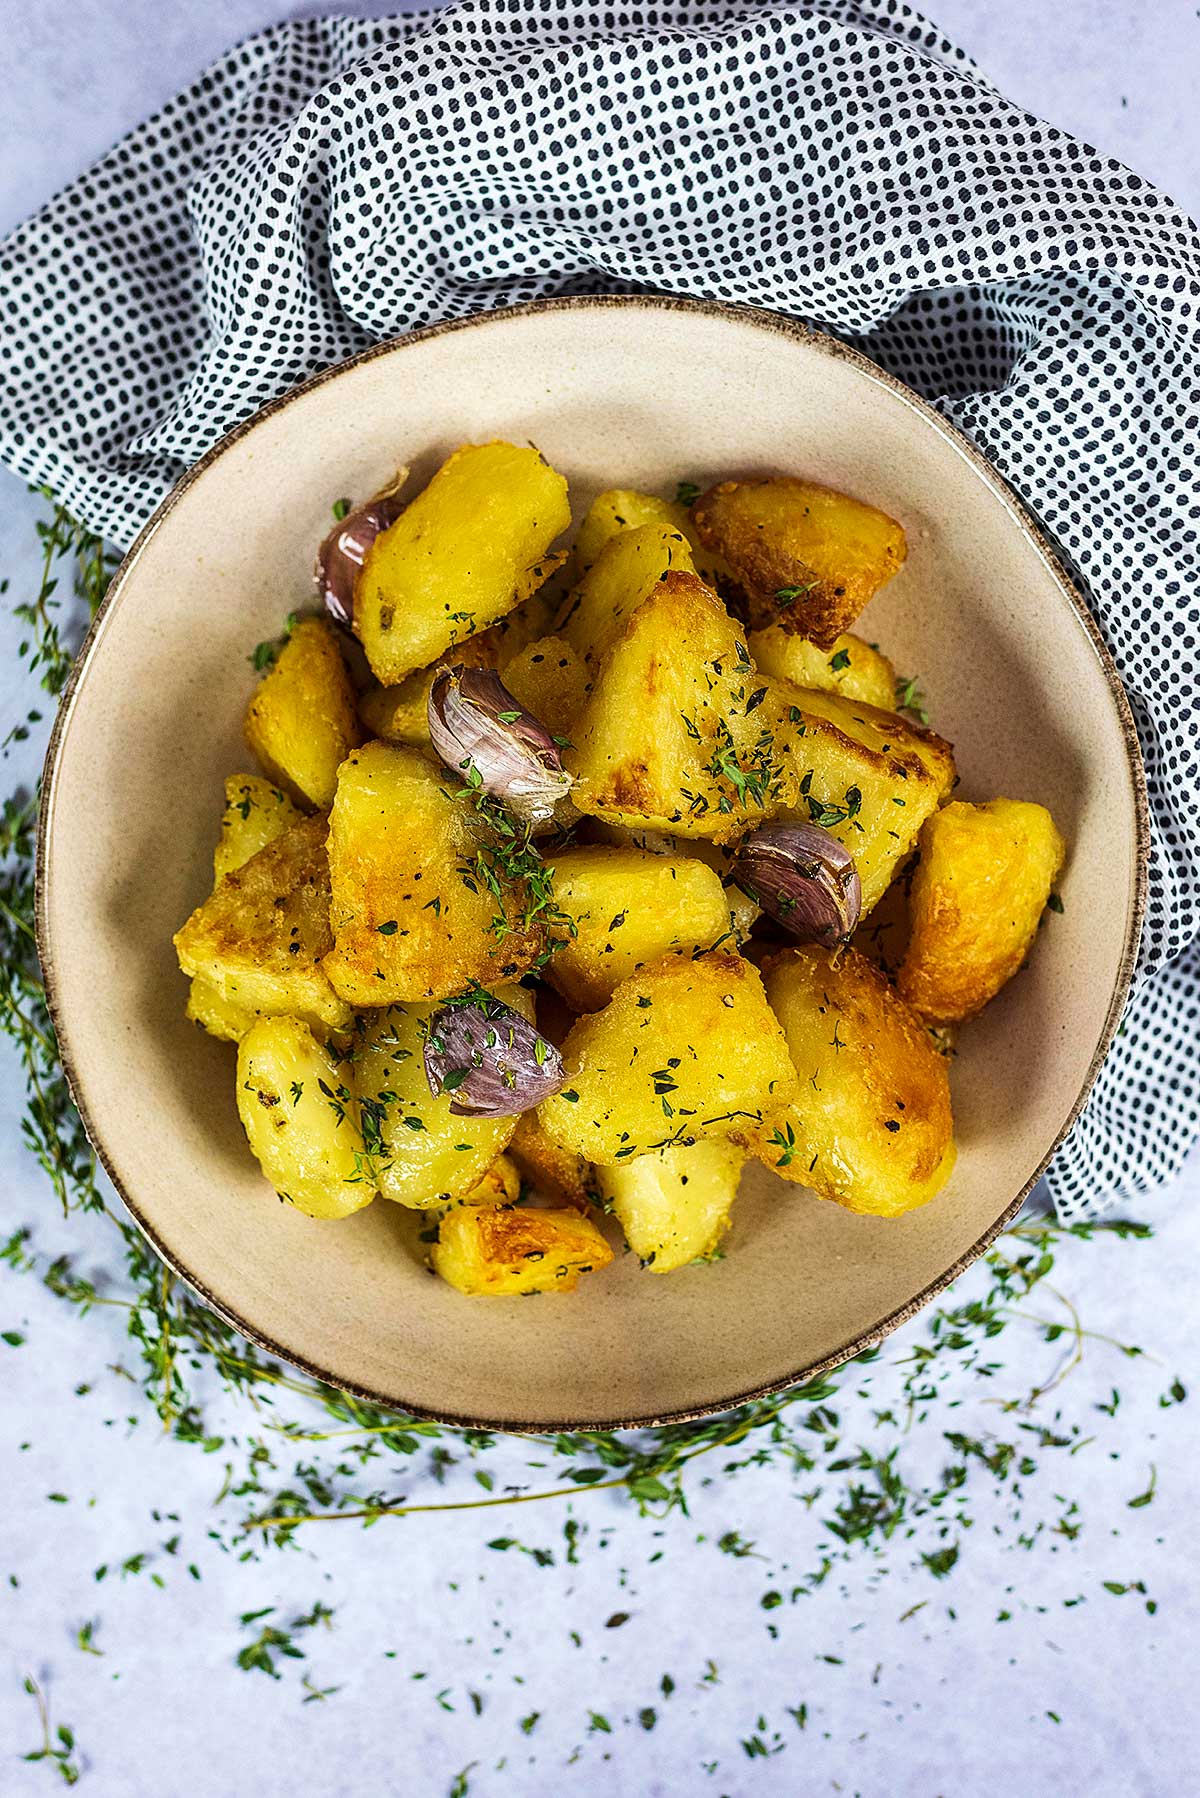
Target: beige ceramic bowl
x,y
639,393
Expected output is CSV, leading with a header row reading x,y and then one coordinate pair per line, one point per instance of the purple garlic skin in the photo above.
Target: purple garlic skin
x,y
494,1062
341,556
804,878
476,724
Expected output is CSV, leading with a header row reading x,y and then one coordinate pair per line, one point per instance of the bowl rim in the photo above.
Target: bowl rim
x,y
824,343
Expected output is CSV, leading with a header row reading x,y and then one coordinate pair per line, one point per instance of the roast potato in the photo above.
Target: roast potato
x,y
507,1253
850,666
628,908
870,1124
552,1171
719,857
977,897
468,549
674,736
626,572
804,557
410,908
301,721
426,1155
255,814
684,1050
260,938
871,778
624,509
301,1120
550,680
674,1204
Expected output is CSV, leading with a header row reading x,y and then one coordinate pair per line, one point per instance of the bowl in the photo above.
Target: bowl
x,y
637,392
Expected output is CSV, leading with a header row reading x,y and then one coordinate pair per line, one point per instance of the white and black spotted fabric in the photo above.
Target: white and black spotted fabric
x,y
333,182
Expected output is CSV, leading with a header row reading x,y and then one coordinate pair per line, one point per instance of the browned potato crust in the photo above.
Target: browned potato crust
x,y
410,918
301,722
506,1253
871,1126
261,935
806,557
978,895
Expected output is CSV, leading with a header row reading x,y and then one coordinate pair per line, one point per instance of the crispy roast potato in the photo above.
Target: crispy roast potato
x,y
552,1171
805,557
260,937
411,912
507,1253
550,680
684,1050
674,1205
851,666
255,814
468,549
869,777
628,908
301,721
500,1185
977,898
626,572
719,857
674,737
221,1017
301,1120
870,1126
425,1154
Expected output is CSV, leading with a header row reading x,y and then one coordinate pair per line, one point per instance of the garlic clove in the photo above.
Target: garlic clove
x,y
492,1059
804,878
476,726
341,556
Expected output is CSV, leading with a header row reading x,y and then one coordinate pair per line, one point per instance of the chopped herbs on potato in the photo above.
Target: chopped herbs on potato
x,y
686,1049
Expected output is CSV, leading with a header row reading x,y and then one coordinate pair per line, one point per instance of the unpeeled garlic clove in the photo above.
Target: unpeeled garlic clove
x,y
491,1058
804,878
478,727
341,556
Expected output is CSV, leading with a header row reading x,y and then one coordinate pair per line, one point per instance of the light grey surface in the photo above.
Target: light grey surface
x,y
943,1701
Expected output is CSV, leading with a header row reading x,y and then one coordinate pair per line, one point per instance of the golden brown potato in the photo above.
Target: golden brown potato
x,y
977,897
805,557
301,1120
674,1205
507,1253
500,1185
625,509
551,681
301,722
468,549
411,910
255,814
684,1050
870,1126
679,740
628,908
425,1154
871,778
850,666
260,937
552,1171
626,573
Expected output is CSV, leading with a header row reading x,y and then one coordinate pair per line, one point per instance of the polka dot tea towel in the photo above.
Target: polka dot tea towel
x,y
333,182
